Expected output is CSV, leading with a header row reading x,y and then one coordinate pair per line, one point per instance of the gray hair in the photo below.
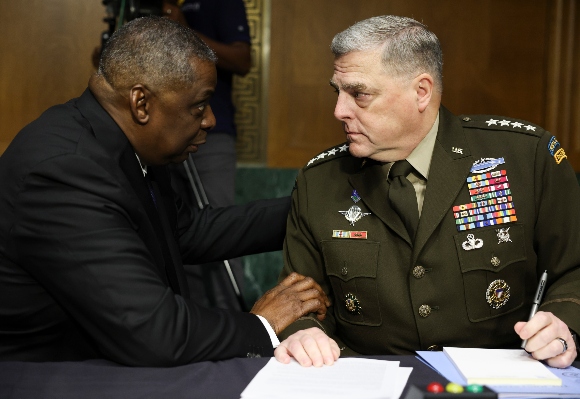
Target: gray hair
x,y
409,47
154,51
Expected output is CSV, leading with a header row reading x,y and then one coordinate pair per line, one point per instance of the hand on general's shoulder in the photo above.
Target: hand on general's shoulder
x,y
293,298
310,347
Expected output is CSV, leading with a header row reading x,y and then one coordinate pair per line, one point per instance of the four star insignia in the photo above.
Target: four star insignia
x,y
333,151
505,122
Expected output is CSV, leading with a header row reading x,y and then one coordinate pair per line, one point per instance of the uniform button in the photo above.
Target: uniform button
x,y
434,348
495,261
418,271
424,310
344,271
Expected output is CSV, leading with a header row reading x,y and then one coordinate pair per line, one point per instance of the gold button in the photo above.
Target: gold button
x,y
434,348
495,261
344,271
418,271
424,310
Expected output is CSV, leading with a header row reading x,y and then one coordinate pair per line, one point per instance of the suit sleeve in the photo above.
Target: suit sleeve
x,y
76,233
215,234
557,232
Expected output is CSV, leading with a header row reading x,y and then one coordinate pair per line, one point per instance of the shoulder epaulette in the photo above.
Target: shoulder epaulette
x,y
493,122
329,154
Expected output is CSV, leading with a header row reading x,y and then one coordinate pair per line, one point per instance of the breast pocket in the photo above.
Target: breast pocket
x,y
490,260
352,270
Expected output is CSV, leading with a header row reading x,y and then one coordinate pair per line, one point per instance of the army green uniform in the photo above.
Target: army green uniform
x,y
474,266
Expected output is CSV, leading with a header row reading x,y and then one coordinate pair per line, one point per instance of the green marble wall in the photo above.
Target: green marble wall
x,y
261,270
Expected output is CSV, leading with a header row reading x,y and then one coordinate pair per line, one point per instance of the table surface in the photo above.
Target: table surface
x,y
104,379
100,379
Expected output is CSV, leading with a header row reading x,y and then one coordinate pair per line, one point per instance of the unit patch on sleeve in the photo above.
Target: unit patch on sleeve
x,y
556,150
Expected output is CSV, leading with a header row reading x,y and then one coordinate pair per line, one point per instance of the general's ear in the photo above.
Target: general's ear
x,y
139,103
424,86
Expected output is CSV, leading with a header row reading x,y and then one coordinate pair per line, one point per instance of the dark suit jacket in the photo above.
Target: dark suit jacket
x,y
379,305
91,267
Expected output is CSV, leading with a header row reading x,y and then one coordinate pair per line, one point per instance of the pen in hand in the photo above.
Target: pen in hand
x,y
537,300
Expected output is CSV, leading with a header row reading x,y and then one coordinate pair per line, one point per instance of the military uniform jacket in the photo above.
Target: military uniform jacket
x,y
453,286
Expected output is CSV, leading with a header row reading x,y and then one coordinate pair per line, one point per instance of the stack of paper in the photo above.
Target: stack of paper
x,y
347,378
500,367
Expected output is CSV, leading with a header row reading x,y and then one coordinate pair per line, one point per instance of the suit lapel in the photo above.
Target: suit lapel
x,y
167,218
372,186
150,232
447,175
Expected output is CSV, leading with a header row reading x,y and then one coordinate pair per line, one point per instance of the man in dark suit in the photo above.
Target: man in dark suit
x,y
92,239
427,229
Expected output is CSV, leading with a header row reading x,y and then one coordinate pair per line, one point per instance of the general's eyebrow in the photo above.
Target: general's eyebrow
x,y
349,86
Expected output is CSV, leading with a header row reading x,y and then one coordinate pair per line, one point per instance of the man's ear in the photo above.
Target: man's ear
x,y
139,103
424,87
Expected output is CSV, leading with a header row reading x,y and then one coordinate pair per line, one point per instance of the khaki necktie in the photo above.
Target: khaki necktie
x,y
403,197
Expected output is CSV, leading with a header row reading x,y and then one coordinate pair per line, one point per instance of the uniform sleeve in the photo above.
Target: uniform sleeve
x,y
76,232
232,22
557,230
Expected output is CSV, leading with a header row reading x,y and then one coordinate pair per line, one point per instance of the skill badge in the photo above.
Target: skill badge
x,y
354,214
472,243
503,235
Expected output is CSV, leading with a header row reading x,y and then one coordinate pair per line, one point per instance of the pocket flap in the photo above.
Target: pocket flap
x,y
490,248
348,259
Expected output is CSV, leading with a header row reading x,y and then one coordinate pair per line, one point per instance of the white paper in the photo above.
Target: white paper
x,y
347,378
500,367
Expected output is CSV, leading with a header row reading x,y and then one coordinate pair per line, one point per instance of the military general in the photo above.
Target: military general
x,y
425,228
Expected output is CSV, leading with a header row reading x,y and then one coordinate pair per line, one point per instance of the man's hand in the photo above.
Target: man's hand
x,y
542,333
310,347
294,297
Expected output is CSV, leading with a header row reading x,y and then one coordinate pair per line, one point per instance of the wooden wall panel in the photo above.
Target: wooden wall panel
x,y
496,61
45,52
563,105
